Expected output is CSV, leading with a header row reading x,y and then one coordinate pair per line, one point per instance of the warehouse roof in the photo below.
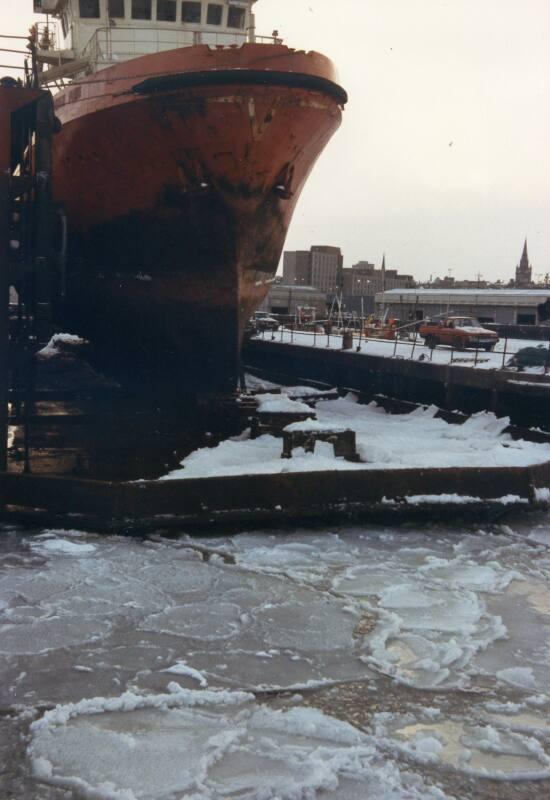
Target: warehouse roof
x,y
500,297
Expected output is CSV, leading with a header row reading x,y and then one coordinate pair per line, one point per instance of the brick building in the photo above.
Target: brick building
x,y
363,281
321,267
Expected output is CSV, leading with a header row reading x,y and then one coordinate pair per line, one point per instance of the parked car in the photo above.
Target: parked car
x,y
459,332
531,357
262,321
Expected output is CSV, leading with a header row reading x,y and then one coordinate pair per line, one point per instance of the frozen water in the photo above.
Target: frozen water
x,y
100,629
210,752
492,751
63,547
521,677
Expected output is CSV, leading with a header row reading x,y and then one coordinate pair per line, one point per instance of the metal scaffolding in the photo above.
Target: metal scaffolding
x,y
27,125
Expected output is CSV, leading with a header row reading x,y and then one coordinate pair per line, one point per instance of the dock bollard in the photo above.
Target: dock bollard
x,y
347,340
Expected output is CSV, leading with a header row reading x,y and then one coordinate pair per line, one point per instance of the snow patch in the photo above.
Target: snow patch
x,y
62,547
182,668
416,441
542,495
281,404
55,345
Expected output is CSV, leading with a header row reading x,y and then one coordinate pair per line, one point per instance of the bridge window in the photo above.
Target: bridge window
x,y
166,10
89,9
116,9
215,13
235,17
191,12
141,9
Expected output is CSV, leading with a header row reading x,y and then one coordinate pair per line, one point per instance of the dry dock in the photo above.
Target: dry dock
x,y
524,397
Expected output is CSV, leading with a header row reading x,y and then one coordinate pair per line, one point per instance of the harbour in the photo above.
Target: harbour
x,y
273,527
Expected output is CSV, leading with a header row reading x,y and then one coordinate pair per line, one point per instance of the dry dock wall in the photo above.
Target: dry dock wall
x,y
525,398
205,501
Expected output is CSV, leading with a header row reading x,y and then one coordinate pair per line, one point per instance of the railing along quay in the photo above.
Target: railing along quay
x,y
403,347
468,381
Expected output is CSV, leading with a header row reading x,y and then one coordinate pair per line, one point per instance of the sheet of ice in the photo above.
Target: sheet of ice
x,y
433,620
434,608
520,677
62,546
163,605
486,750
150,747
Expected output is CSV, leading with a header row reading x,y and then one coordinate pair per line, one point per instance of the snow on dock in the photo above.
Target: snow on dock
x,y
411,349
417,440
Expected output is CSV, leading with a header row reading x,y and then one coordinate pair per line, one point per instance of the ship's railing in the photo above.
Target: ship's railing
x,y
113,44
29,77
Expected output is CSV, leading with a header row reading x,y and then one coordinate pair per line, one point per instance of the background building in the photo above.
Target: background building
x,y
448,282
320,267
326,268
524,270
283,299
363,281
297,268
502,306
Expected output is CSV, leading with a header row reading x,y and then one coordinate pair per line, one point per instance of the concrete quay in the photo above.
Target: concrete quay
x,y
524,397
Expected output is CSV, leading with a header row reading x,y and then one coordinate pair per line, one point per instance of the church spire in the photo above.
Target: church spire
x,y
524,272
524,263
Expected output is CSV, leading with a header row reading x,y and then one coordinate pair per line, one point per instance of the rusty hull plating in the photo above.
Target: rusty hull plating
x,y
179,173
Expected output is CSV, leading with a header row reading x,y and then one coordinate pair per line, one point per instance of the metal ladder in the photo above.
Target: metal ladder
x,y
27,264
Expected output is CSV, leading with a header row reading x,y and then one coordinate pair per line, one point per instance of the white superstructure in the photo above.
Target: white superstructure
x,y
88,35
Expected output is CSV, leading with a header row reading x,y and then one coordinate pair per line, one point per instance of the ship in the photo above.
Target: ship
x,y
184,144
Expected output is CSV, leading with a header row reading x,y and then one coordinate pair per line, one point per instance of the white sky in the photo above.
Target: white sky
x,y
423,74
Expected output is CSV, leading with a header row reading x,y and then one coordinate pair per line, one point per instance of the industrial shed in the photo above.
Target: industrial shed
x,y
287,300
500,306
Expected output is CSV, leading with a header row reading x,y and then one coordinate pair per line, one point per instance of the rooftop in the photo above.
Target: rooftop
x,y
295,287
501,293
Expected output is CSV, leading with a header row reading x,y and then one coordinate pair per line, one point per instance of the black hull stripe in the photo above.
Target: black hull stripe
x,y
232,77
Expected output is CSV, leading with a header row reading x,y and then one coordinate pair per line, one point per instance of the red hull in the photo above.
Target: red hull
x,y
179,173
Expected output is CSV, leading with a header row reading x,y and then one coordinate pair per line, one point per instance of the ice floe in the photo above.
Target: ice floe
x,y
209,745
154,658
489,750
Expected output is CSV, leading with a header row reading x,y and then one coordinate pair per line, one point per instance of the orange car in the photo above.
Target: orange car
x,y
459,332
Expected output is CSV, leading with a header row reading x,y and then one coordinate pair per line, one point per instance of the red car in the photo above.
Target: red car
x,y
459,332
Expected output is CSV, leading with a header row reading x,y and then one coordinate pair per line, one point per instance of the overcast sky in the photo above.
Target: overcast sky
x,y
443,158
